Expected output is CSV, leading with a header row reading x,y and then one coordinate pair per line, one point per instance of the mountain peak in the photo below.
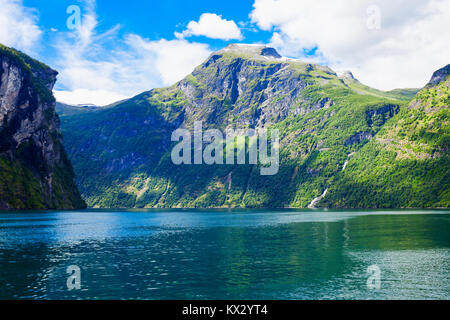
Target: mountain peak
x,y
439,75
253,50
348,75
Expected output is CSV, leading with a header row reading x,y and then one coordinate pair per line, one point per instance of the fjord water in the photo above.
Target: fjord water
x,y
225,254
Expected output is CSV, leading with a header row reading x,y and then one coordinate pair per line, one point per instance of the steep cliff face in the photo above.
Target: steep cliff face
x,y
34,169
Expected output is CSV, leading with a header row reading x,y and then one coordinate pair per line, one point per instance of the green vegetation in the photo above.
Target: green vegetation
x,y
407,164
121,153
403,94
19,187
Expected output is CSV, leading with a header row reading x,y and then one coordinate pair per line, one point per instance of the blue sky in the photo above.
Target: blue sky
x,y
152,19
121,48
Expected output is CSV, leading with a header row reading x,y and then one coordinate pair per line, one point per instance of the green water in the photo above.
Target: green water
x,y
222,254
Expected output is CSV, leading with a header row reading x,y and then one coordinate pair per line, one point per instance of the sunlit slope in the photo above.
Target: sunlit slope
x,y
407,164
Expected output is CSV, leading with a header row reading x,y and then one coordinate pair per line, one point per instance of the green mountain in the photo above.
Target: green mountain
x,y
407,164
121,153
35,172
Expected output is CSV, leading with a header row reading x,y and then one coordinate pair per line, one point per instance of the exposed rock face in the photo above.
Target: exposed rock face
x,y
249,85
270,52
381,115
347,75
440,75
358,138
35,171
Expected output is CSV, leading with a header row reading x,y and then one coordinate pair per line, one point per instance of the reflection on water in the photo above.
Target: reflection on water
x,y
222,254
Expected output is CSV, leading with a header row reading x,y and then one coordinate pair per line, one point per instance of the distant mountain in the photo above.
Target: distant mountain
x,y
35,172
404,94
400,94
121,154
63,109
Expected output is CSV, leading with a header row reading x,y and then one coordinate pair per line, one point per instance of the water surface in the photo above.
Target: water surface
x,y
225,254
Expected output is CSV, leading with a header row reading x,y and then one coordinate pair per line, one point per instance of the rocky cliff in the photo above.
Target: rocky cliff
x,y
35,172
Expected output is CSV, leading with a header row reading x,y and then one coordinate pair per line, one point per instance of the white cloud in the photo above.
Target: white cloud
x,y
212,26
173,59
101,68
18,25
410,42
84,96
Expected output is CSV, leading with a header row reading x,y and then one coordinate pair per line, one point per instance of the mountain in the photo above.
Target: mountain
x,y
121,153
35,172
407,164
63,109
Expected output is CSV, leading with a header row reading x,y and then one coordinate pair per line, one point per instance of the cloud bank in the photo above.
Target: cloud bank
x,y
387,44
18,25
